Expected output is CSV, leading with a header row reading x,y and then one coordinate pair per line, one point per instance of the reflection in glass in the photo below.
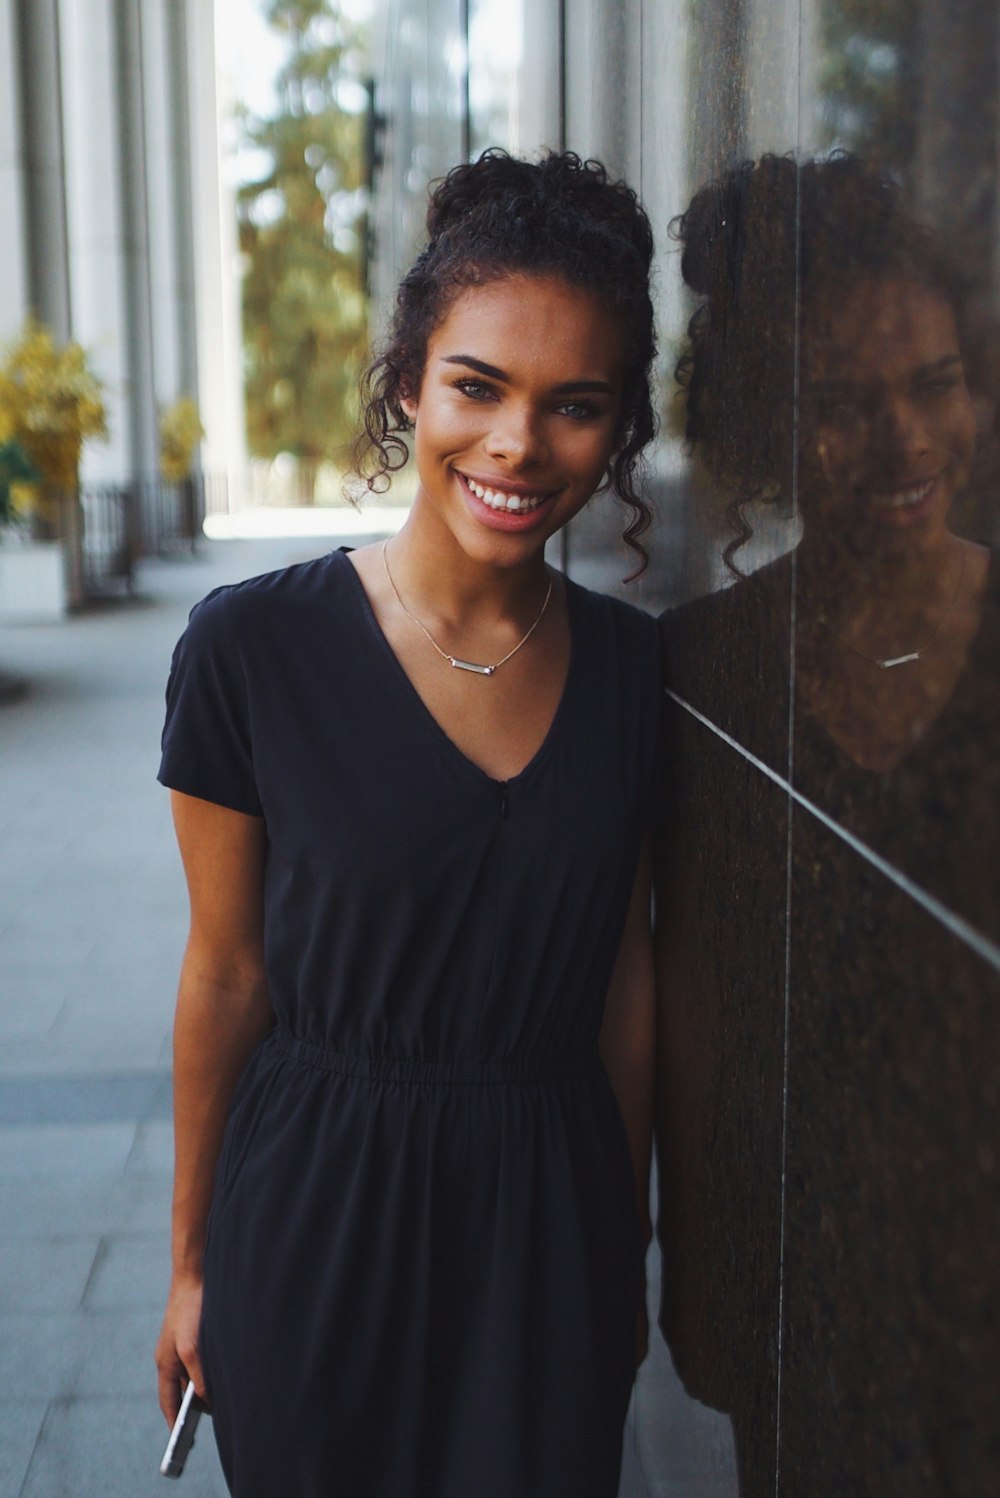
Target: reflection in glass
x,y
829,372
829,1011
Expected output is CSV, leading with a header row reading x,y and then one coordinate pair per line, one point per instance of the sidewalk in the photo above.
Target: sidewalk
x,y
92,921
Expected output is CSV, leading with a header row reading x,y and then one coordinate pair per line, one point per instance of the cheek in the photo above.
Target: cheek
x,y
835,454
963,434
444,426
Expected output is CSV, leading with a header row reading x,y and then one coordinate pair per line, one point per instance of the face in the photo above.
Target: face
x,y
517,414
888,422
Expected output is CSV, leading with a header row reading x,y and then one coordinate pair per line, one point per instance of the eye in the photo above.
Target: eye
x,y
840,413
476,390
579,411
943,385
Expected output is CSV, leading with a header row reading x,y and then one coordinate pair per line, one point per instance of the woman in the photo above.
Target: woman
x,y
410,789
828,1203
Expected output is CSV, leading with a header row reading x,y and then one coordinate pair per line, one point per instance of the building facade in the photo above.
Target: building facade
x,y
117,232
830,939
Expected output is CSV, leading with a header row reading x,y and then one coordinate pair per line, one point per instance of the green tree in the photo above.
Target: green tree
x,y
870,79
304,309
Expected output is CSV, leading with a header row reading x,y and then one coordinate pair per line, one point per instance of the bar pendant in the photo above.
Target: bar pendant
x,y
899,660
471,666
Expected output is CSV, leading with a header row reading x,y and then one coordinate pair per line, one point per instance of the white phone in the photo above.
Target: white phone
x,y
182,1435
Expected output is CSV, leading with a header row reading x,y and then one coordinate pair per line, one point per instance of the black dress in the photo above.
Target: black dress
x,y
423,1261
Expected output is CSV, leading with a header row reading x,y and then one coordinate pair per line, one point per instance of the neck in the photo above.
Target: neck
x,y
435,574
904,580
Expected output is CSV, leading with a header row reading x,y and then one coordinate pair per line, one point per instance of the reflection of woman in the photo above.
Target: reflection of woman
x,y
410,791
828,361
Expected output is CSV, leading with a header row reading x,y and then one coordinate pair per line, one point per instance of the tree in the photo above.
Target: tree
x,y
304,309
870,79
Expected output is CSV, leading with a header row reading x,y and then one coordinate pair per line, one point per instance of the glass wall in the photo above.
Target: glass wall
x,y
822,176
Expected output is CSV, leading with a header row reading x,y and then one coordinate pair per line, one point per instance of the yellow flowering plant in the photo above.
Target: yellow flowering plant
x,y
51,403
17,476
180,432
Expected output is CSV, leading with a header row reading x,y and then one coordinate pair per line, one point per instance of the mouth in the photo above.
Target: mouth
x,y
507,501
902,499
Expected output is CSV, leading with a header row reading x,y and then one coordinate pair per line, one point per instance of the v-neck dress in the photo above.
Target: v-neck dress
x,y
423,1261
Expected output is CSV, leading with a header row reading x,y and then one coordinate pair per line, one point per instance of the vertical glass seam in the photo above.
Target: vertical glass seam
x,y
790,832
466,102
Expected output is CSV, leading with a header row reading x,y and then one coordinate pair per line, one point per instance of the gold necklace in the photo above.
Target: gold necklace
x,y
914,655
454,660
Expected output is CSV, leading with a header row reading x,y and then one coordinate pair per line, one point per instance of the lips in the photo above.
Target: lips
x,y
902,499
501,499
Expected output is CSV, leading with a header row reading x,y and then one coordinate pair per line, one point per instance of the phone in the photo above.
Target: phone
x,y
182,1435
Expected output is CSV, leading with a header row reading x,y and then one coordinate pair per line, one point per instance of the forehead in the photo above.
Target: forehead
x,y
879,331
537,326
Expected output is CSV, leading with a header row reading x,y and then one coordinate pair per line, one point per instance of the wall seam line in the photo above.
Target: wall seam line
x,y
956,924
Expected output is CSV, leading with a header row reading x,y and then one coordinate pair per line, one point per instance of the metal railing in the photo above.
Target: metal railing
x,y
107,528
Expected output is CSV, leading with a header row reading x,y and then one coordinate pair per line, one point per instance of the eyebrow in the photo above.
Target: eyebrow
x,y
833,387
568,387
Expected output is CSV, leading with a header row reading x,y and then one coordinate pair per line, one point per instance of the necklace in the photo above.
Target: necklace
x,y
889,662
454,660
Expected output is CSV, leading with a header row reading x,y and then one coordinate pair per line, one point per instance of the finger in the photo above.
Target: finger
x,y
193,1371
170,1394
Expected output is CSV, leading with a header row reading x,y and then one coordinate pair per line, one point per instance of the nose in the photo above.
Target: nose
x,y
517,437
900,429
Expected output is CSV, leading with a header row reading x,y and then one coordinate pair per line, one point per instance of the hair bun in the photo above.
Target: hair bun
x,y
469,188
752,205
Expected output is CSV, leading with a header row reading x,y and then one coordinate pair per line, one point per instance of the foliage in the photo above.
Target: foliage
x,y
16,472
180,432
869,79
51,403
304,308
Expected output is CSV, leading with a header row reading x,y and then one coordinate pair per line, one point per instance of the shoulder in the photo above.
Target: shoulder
x,y
624,626
734,626
238,613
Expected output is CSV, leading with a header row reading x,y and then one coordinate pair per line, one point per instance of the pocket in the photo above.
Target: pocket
x,y
240,1134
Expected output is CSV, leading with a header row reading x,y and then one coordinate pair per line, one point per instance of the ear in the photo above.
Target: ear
x,y
409,407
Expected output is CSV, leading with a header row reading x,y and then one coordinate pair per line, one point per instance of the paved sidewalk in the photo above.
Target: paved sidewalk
x,y
92,920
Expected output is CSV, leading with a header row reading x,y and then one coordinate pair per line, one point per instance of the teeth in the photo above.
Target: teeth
x,y
497,499
902,498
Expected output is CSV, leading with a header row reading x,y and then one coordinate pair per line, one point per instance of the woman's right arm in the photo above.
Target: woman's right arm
x,y
223,1010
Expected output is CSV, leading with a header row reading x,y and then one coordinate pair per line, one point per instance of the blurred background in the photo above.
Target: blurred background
x,y
206,210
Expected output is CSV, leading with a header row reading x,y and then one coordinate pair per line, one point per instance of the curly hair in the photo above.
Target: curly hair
x,y
760,246
499,216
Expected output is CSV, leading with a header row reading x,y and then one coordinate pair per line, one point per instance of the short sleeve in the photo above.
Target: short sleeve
x,y
207,741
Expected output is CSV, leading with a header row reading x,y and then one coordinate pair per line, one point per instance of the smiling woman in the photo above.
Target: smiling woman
x,y
412,787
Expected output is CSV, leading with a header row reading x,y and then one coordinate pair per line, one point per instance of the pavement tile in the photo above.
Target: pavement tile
x,y
85,1100
70,1354
44,1273
77,1048
29,1004
153,1149
96,1446
131,1271
680,1442
20,1424
115,1202
28,1152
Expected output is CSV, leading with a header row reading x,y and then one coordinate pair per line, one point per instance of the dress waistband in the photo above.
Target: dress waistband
x,y
413,1069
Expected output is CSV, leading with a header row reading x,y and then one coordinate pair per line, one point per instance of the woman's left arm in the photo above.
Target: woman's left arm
x,y
627,1038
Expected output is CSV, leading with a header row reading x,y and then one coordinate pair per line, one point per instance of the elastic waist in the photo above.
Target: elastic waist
x,y
413,1069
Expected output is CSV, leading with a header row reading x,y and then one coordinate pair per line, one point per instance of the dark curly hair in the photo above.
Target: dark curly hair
x,y
760,246
500,216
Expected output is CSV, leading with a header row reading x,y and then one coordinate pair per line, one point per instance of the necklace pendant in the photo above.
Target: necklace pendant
x,y
471,666
898,660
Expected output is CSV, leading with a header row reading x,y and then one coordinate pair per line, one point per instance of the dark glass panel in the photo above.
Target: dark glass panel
x,y
721,899
889,1373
